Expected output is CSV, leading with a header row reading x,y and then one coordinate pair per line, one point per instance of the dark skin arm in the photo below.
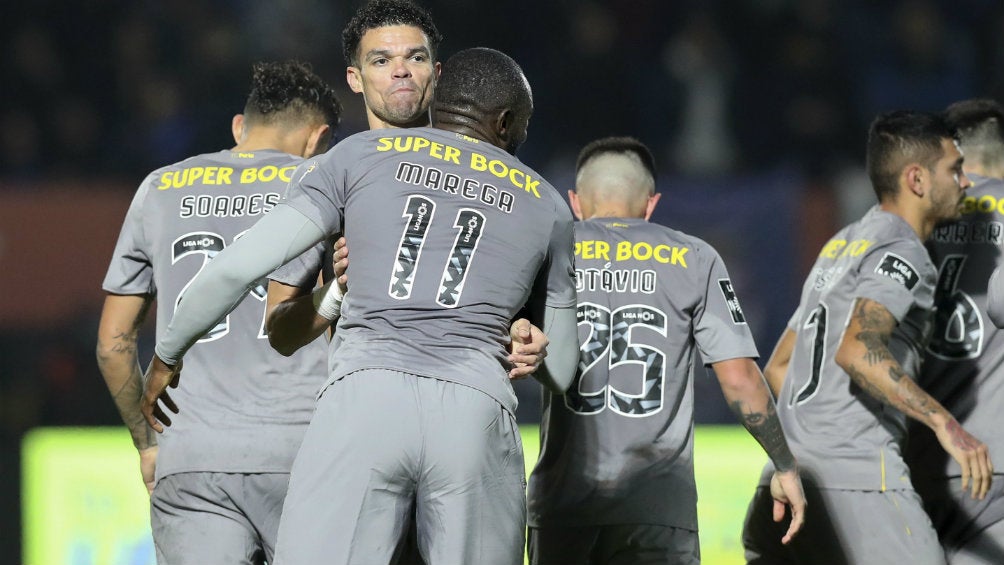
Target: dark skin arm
x,y
746,392
864,354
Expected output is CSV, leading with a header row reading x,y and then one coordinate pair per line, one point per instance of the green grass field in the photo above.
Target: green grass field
x,y
83,502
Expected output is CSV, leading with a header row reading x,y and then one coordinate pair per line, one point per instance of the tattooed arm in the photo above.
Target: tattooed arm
x,y
746,392
118,362
864,354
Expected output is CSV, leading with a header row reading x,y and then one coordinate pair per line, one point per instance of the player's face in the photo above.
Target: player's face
x,y
396,75
948,183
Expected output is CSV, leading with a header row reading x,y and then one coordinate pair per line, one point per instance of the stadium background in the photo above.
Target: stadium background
x,y
756,110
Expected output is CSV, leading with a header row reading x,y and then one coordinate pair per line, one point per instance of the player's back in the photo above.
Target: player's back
x,y
846,437
617,447
245,407
448,237
964,363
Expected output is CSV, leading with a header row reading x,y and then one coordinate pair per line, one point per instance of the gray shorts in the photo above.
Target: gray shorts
x,y
622,544
844,527
200,518
383,444
971,531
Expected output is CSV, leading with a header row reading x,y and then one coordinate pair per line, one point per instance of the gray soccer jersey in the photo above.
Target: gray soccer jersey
x,y
964,366
843,436
449,236
617,448
244,407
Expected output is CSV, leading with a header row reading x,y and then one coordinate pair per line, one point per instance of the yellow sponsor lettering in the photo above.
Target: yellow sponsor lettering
x,y
406,144
223,175
266,174
593,249
832,248
677,258
643,251
165,180
603,250
985,204
841,248
856,247
452,154
498,168
479,162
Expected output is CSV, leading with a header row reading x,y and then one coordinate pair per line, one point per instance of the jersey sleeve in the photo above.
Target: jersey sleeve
x,y
303,270
720,328
560,266
893,275
995,298
131,267
317,189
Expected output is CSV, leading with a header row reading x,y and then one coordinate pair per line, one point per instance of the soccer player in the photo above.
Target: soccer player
x,y
451,236
390,49
962,368
615,478
842,369
219,475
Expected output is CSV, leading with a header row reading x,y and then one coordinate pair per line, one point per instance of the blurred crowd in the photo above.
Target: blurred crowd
x,y
119,87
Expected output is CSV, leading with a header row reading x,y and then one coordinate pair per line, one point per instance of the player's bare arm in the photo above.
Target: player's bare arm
x,y
292,321
292,317
777,366
118,362
745,390
864,354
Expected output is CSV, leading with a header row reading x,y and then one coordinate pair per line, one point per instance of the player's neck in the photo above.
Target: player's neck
x,y
614,212
262,138
913,216
376,122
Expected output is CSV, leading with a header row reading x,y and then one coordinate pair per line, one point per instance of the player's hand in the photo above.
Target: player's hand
x,y
786,489
341,263
147,466
159,376
972,455
527,348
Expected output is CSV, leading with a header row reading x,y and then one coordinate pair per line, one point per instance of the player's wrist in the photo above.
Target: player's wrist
x,y
327,300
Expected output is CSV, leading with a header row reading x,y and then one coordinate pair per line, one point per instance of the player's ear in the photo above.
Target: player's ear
x,y
354,78
650,206
437,71
573,200
237,127
318,140
916,176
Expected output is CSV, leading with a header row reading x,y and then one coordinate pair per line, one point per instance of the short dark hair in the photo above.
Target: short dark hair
x,y
484,80
901,137
979,124
382,13
621,144
289,92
